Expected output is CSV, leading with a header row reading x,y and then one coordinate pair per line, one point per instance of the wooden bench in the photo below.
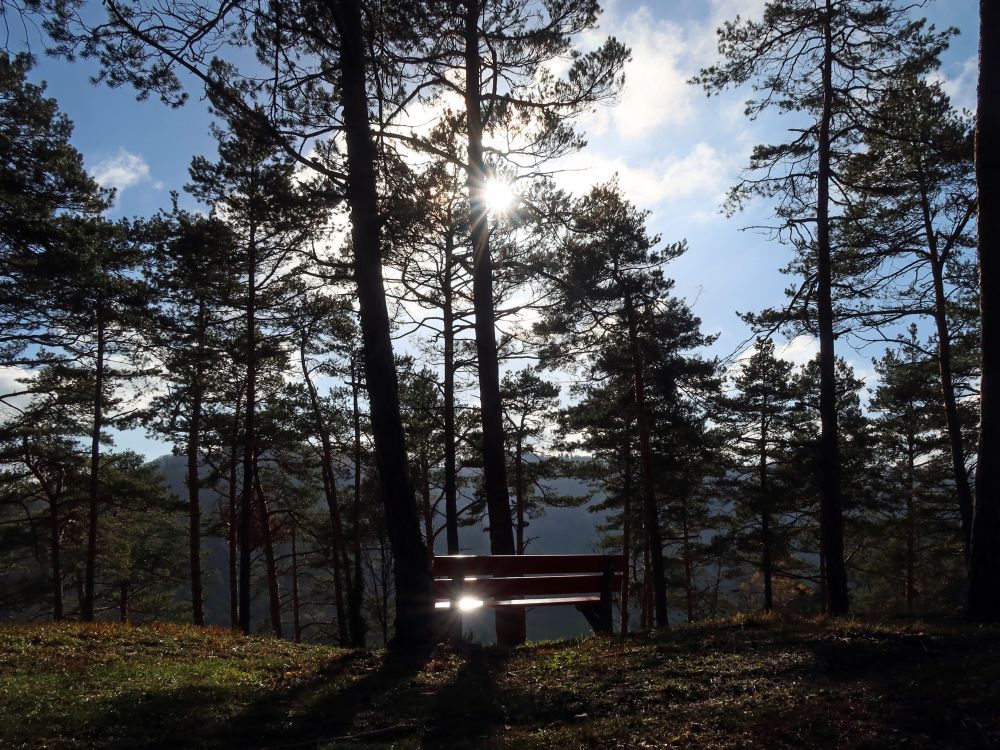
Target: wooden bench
x,y
587,582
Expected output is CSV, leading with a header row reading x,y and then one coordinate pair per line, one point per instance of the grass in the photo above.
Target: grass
x,y
744,682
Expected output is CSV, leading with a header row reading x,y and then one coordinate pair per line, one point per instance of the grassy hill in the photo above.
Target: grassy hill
x,y
747,682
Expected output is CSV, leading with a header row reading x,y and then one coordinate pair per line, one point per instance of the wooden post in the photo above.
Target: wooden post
x,y
607,593
457,587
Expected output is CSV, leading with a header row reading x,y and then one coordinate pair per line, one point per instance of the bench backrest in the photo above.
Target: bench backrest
x,y
507,577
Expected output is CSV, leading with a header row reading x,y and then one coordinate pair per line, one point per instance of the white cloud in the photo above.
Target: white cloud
x,y
665,55
800,350
961,88
701,173
121,171
11,381
656,89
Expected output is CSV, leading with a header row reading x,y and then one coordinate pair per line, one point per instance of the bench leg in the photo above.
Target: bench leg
x,y
600,615
594,617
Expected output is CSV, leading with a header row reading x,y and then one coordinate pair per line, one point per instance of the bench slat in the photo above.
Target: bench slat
x,y
493,603
501,588
445,566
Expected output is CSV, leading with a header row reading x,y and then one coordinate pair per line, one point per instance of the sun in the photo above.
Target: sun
x,y
499,196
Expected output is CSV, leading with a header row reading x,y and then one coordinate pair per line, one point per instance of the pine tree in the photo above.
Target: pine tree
x,y
423,409
830,60
321,83
433,263
530,405
516,88
324,332
612,312
95,298
757,420
906,233
43,186
193,280
271,217
802,474
44,469
917,531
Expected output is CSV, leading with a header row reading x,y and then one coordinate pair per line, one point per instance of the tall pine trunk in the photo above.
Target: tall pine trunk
x,y
55,560
93,489
123,610
831,514
510,623
450,446
963,491
270,560
235,540
341,564
414,598
520,493
249,429
650,512
687,559
425,502
911,536
296,604
984,561
626,530
194,482
766,561
357,583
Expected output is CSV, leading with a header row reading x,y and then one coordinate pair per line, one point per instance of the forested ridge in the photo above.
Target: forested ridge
x,y
372,324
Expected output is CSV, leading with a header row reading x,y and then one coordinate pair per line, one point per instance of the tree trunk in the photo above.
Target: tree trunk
x,y
425,501
450,446
267,539
911,542
831,513
234,534
651,516
688,563
55,552
963,491
341,562
249,429
626,530
519,492
646,606
296,614
93,494
765,518
414,597
984,561
356,597
510,622
123,603
54,558
194,482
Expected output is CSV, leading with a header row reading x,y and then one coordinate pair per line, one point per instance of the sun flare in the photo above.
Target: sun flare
x,y
499,196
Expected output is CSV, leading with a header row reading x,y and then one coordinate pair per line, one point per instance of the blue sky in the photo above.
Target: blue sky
x,y
675,151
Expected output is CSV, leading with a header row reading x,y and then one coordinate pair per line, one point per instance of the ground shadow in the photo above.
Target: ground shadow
x,y
334,706
466,711
305,714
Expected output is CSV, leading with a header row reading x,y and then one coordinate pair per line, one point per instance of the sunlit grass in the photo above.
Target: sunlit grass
x,y
745,681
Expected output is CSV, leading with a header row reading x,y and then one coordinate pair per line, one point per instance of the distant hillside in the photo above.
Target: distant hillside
x,y
557,531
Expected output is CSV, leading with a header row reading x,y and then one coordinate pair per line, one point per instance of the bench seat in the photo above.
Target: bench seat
x,y
587,582
528,603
